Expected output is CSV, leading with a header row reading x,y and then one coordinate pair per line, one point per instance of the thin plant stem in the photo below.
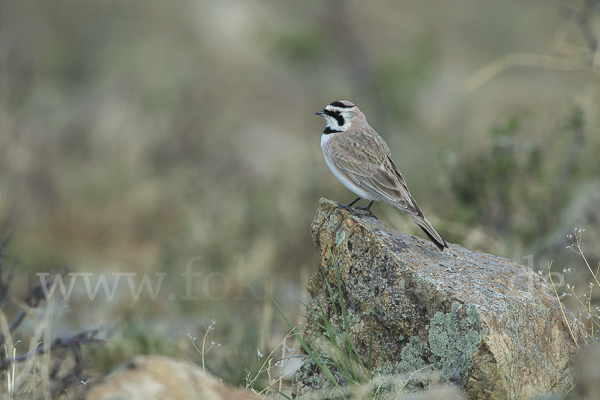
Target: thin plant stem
x,y
561,305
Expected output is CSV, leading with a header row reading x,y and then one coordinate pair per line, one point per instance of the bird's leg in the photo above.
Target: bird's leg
x,y
348,206
368,208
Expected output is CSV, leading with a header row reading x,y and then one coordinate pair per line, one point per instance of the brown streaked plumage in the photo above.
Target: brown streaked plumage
x,y
361,160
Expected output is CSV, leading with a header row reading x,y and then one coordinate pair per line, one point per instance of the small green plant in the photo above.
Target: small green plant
x,y
267,378
342,350
273,369
204,349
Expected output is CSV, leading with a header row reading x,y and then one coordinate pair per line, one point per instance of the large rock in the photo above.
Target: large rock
x,y
484,323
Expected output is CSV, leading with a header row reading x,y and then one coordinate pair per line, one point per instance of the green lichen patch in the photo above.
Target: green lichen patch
x,y
412,356
453,338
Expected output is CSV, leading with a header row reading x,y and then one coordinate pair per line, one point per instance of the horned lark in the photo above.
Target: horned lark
x,y
361,160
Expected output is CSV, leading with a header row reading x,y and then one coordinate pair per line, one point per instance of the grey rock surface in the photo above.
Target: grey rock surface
x,y
482,322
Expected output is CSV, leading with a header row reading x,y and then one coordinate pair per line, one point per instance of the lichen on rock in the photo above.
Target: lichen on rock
x,y
453,340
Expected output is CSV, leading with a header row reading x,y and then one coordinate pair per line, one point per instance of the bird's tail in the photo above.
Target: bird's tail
x,y
429,230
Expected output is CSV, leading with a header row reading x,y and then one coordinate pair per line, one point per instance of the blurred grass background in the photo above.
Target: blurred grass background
x,y
139,136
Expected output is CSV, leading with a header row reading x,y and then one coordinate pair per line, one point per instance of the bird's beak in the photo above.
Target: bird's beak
x,y
321,112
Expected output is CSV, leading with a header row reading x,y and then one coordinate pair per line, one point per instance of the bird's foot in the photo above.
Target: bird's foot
x,y
353,210
368,208
349,205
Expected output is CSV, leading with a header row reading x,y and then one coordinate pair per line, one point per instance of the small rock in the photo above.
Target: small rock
x,y
162,378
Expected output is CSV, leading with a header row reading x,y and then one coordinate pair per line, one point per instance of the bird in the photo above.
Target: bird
x,y
361,160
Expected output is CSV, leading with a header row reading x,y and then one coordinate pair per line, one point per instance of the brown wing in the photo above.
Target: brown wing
x,y
380,177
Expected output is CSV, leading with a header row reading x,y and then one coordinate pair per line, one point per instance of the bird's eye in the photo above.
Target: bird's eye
x,y
337,112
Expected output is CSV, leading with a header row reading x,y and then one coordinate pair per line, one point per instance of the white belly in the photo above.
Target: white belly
x,y
360,192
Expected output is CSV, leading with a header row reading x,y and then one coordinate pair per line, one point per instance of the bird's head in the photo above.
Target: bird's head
x,y
341,116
